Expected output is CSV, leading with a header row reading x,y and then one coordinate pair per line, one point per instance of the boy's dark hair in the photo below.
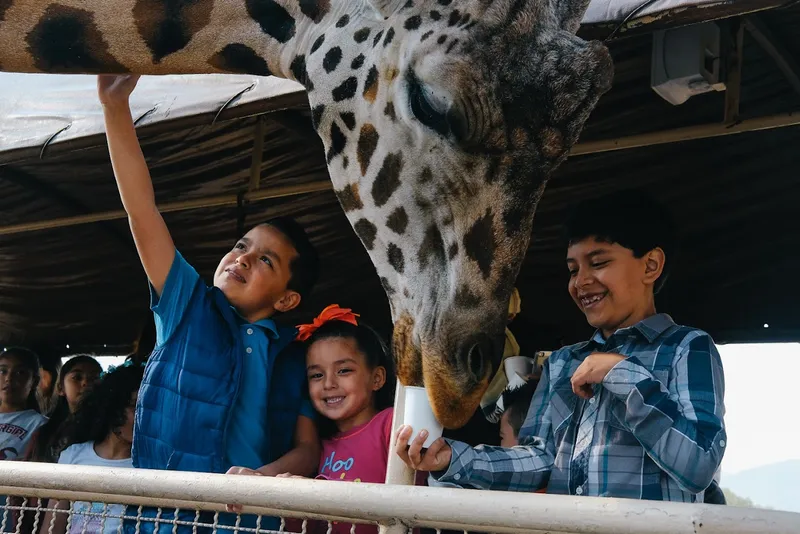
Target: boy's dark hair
x,y
629,218
376,352
30,360
517,402
305,266
53,435
102,410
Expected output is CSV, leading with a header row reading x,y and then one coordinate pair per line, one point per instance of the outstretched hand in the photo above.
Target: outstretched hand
x,y
436,458
115,89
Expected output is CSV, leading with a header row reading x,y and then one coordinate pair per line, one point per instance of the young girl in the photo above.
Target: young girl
x,y
101,436
351,385
19,411
75,379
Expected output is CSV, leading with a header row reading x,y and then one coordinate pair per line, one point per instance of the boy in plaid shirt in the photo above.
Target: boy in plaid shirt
x,y
634,412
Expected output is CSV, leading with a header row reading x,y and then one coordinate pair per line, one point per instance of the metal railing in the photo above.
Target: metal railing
x,y
394,508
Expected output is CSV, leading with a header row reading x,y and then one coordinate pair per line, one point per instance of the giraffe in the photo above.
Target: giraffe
x,y
441,121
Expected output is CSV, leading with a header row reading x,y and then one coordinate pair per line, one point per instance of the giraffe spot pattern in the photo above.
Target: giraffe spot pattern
x,y
387,286
425,176
388,179
349,119
361,35
167,26
4,5
68,39
366,232
371,85
358,62
317,44
413,23
397,221
432,248
316,115
338,142
389,111
389,37
350,198
466,298
367,143
480,244
240,58
346,90
315,9
396,259
273,19
298,68
332,59
453,251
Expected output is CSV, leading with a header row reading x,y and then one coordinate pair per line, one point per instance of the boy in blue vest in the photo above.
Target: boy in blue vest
x,y
225,386
634,412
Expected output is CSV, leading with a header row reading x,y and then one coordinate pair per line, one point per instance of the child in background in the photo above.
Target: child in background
x,y
20,419
516,401
47,394
101,436
351,385
76,378
19,410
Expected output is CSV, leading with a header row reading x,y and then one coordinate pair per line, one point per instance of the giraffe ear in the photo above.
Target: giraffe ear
x,y
569,13
386,8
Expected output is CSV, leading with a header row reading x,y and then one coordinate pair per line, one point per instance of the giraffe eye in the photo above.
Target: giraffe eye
x,y
428,110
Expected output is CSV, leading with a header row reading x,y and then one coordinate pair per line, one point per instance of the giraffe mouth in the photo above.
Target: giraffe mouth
x,y
453,391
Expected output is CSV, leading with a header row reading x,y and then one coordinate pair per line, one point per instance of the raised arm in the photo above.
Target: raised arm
x,y
150,233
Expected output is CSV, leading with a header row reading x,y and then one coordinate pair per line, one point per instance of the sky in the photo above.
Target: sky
x,y
760,385
760,395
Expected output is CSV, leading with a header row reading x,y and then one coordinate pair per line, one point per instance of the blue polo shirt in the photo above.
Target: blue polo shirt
x,y
247,442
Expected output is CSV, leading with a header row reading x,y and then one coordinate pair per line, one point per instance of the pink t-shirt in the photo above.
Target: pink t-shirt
x,y
359,455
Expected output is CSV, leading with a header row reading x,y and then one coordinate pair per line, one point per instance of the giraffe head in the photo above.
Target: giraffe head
x,y
442,121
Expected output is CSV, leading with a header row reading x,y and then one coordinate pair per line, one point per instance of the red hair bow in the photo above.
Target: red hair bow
x,y
331,313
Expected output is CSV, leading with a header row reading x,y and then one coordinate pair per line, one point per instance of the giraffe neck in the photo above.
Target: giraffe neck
x,y
146,37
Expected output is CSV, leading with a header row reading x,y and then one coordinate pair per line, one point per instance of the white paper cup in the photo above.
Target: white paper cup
x,y
418,414
520,365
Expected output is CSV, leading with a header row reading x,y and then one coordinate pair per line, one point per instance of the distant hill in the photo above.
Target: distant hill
x,y
774,486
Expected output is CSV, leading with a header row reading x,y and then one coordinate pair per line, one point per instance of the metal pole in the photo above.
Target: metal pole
x,y
397,472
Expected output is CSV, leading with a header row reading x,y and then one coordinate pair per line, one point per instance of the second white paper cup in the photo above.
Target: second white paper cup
x,y
418,414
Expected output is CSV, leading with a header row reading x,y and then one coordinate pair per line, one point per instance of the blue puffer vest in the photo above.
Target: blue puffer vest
x,y
186,400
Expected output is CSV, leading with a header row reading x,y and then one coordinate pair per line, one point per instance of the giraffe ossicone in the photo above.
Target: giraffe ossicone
x,y
442,121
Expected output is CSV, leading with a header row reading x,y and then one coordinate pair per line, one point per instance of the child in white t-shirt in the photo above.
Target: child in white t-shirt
x,y
102,436
19,410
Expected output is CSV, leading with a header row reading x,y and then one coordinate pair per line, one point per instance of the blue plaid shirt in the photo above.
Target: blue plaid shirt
x,y
655,425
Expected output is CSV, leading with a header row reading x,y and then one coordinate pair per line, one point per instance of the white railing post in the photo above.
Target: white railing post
x,y
397,472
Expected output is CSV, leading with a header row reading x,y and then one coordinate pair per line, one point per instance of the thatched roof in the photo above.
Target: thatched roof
x,y
734,196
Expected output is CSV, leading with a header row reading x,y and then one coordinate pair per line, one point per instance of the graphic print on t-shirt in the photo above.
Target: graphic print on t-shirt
x,y
16,431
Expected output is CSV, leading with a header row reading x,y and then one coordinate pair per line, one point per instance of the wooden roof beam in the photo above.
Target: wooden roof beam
x,y
761,33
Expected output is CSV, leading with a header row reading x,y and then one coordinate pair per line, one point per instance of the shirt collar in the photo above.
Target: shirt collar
x,y
650,328
268,325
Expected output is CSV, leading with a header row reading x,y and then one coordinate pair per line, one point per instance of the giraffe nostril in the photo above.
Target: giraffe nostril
x,y
478,354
